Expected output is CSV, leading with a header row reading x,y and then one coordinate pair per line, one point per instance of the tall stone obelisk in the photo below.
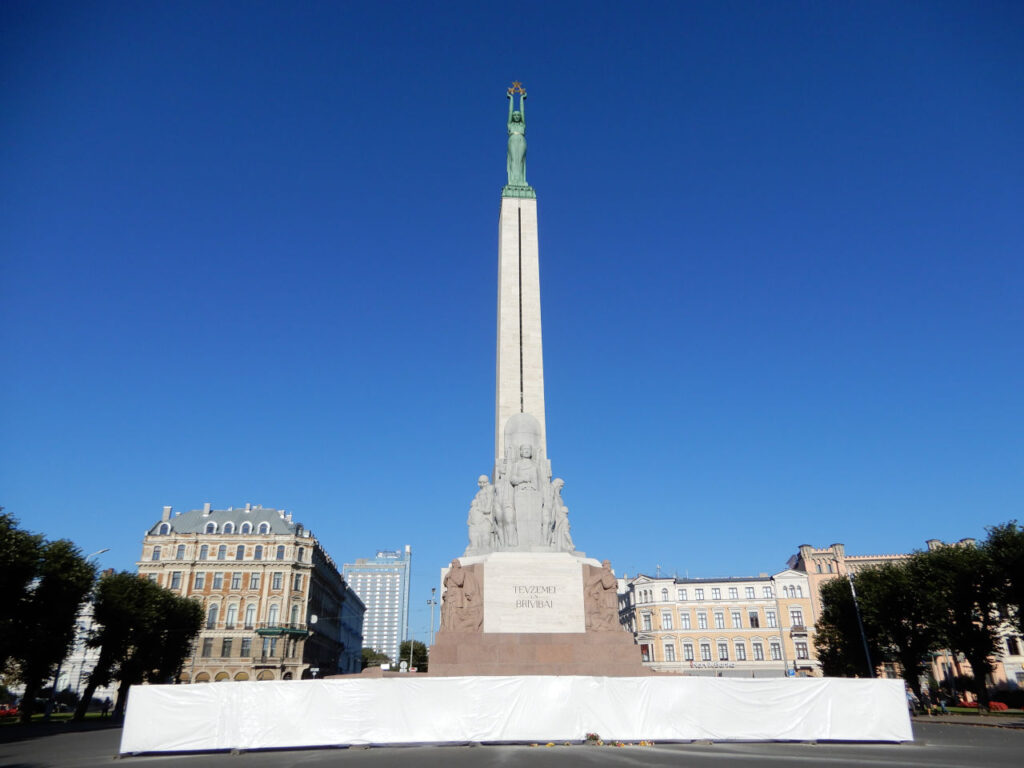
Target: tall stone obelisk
x,y
520,360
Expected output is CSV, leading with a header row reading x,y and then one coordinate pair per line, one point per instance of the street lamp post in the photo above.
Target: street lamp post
x,y
432,602
860,623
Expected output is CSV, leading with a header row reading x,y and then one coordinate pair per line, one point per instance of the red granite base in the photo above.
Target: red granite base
x,y
600,654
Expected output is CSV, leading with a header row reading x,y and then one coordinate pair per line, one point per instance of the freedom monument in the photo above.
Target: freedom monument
x,y
530,648
521,599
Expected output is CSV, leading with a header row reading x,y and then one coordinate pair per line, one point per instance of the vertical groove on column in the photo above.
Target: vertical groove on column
x,y
519,221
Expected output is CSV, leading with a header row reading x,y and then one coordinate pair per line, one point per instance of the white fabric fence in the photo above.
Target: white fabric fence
x,y
428,710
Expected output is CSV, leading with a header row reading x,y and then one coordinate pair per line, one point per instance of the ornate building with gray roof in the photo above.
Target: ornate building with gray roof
x,y
276,606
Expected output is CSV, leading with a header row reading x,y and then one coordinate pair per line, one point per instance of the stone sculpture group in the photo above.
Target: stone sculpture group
x,y
523,510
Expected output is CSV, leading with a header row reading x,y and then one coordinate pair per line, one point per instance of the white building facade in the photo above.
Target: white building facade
x,y
383,586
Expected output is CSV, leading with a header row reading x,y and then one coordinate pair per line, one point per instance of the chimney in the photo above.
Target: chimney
x,y
288,517
933,544
248,507
206,508
167,514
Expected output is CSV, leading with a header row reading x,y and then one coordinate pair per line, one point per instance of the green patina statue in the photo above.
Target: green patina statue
x,y
517,186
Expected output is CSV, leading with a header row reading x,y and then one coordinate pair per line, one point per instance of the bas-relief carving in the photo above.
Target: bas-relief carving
x,y
600,598
523,510
462,608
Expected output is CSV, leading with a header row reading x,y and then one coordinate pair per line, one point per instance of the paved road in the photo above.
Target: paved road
x,y
937,745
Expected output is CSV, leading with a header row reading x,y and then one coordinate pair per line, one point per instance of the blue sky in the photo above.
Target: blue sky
x,y
248,254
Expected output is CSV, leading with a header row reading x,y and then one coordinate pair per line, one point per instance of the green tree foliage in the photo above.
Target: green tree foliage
x,y
20,553
144,633
53,599
1005,545
374,658
967,588
837,639
419,654
902,614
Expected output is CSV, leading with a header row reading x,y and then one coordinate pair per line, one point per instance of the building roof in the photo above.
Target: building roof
x,y
196,520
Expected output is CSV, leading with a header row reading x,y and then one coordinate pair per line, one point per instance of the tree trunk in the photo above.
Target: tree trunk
x,y
86,700
979,666
122,698
28,699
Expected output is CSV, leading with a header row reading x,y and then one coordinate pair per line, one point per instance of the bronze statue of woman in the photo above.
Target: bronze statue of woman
x,y
516,137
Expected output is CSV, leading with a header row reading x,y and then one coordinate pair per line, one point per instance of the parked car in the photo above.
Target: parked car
x,y
7,710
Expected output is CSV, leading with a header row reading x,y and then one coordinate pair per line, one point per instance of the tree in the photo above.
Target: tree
x,y
967,588
144,632
1005,546
419,655
62,583
837,639
20,553
374,658
900,606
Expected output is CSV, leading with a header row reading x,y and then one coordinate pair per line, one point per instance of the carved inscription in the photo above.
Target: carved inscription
x,y
533,593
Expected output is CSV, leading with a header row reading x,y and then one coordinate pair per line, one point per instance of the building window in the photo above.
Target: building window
x,y
240,552
749,592
297,585
755,620
246,527
770,620
645,652
207,647
801,651
723,650
716,593
1012,646
705,651
758,651
180,553
200,580
218,581
741,651
799,591
264,528
231,616
646,618
277,580
684,619
257,553
830,567
819,567
269,647
254,581
737,619
719,620
246,650
250,616
702,620
664,595
767,592
222,552
203,552
211,617
302,554
734,593
236,582
176,580
776,650
228,527
280,551
666,620
156,552
688,651
670,651
680,594
225,648
698,593
295,616
272,616
165,528
211,527
796,617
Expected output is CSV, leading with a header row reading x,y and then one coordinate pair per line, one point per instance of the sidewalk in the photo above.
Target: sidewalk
x,y
987,721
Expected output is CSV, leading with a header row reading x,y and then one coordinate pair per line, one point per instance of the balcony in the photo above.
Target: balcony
x,y
277,629
798,629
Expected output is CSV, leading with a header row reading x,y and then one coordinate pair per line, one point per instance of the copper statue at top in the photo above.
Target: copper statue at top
x,y
516,162
523,510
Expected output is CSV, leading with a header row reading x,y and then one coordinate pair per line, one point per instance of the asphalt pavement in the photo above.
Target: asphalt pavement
x,y
936,745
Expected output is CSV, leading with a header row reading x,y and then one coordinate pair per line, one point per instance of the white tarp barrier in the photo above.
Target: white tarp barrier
x,y
414,710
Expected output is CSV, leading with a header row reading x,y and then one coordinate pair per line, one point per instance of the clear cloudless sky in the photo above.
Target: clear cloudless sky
x,y
249,254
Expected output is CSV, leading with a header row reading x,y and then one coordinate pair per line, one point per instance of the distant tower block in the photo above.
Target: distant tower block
x,y
520,374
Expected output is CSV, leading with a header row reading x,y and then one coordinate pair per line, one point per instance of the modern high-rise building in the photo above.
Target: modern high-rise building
x,y
383,585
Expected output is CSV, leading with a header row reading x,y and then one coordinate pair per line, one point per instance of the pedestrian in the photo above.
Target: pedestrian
x,y
106,707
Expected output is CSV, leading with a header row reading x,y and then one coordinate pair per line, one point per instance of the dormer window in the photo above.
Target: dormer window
x,y
211,527
264,527
228,528
165,528
246,528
